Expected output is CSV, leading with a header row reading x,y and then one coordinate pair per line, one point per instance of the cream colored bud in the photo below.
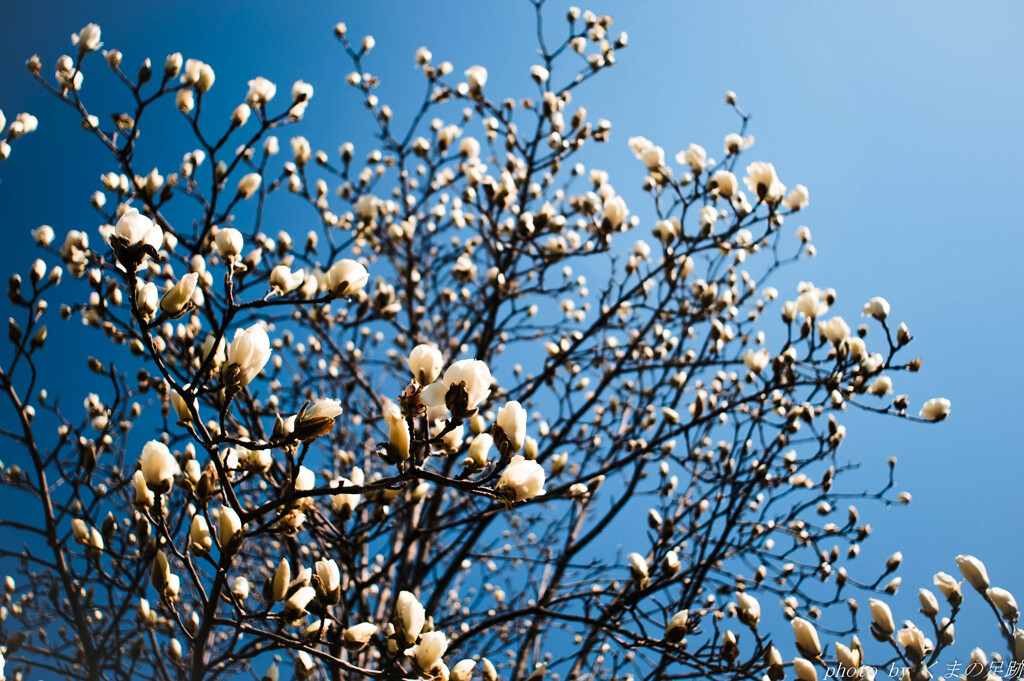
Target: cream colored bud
x,y
229,241
228,528
806,637
973,571
1004,602
410,616
883,617
358,636
677,626
247,186
178,297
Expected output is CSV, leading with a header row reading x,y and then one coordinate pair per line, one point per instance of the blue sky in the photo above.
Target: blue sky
x,y
903,119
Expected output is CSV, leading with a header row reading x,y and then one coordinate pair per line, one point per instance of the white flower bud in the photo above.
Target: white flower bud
x,y
228,527
250,352
425,363
175,300
200,539
411,616
512,420
676,628
883,617
158,466
806,637
357,637
248,185
1004,601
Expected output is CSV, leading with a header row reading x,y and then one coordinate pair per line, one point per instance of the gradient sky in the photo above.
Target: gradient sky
x,y
903,119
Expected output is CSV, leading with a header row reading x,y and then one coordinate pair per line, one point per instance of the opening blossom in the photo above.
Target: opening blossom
x,y
935,409
248,353
471,372
425,363
522,479
261,91
876,307
138,230
285,280
347,277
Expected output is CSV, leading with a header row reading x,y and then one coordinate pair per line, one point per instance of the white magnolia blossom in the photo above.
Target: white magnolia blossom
x,y
249,351
804,669
248,185
229,241
323,409
463,670
200,539
724,183
425,362
935,409
429,651
301,91
358,636
512,420
749,608
329,574
797,199
476,76
615,211
1004,601
137,229
806,637
261,91
158,465
694,156
876,307
285,279
835,330
198,75
347,277
522,479
88,39
471,372
882,616
345,502
240,116
411,616
144,497
366,207
228,526
677,626
756,360
398,430
179,295
638,567
973,571
479,449
763,182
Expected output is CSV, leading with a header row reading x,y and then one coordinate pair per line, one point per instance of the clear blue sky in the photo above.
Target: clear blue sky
x,y
903,119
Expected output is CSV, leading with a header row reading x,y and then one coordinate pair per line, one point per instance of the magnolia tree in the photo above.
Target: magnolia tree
x,y
481,420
